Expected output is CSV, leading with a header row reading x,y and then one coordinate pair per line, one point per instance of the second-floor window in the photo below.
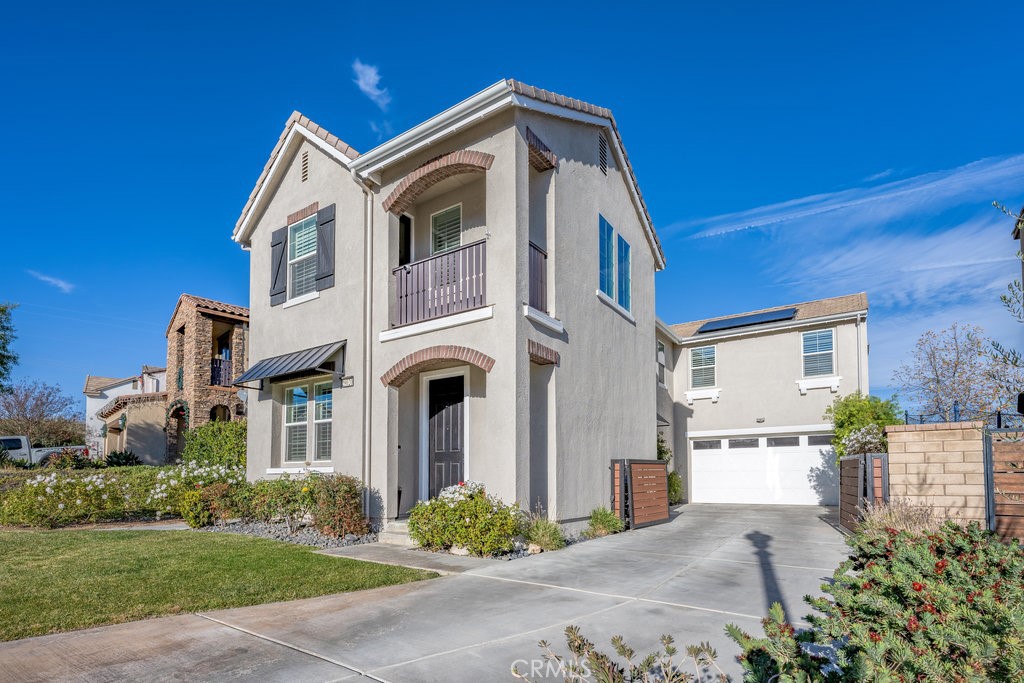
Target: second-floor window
x,y
300,422
446,229
660,356
818,353
302,257
614,265
702,367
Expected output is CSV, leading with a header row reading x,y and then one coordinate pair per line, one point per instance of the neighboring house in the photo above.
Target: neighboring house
x,y
745,397
135,422
207,346
99,391
472,299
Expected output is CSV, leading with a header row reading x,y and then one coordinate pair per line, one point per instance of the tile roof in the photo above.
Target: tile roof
x,y
120,402
94,384
207,305
152,369
295,119
808,310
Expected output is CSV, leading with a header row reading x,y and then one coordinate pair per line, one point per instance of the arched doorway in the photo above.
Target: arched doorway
x,y
220,414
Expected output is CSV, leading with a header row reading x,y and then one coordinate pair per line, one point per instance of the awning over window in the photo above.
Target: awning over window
x,y
294,363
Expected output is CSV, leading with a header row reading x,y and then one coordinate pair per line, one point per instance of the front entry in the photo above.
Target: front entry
x,y
445,431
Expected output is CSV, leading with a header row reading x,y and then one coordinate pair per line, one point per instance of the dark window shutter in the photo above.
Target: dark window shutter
x,y
279,266
325,247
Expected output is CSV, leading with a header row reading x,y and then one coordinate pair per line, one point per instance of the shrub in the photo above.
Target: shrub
x,y
68,459
338,505
854,411
900,514
122,459
216,443
222,500
941,606
867,439
603,522
286,499
194,509
543,532
675,488
465,515
172,482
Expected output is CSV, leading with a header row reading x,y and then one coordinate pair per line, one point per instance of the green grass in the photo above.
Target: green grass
x,y
54,581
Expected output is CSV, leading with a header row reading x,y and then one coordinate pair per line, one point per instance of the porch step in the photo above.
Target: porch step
x,y
396,533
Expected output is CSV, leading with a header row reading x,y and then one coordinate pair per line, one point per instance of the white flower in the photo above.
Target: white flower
x,y
78,502
60,506
104,496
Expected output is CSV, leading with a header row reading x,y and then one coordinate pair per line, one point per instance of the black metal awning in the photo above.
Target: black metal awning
x,y
662,422
295,363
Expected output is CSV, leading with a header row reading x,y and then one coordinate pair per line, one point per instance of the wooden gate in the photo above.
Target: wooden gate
x,y
640,492
863,481
1004,481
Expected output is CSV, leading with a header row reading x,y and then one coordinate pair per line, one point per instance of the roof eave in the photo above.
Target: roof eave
x,y
773,327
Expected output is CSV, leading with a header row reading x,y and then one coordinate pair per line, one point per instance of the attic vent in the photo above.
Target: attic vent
x,y
305,166
602,153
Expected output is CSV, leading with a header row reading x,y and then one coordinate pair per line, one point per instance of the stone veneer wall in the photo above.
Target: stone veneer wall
x,y
941,465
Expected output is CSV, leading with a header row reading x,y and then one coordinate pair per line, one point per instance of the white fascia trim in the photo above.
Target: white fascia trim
x,y
752,431
298,131
480,105
697,394
663,327
543,319
818,383
323,469
614,305
774,327
572,114
437,324
301,299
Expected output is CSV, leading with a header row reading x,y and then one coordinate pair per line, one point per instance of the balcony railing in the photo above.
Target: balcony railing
x,y
538,278
220,372
441,285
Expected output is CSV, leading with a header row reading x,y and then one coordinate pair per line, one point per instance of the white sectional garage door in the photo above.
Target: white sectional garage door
x,y
772,472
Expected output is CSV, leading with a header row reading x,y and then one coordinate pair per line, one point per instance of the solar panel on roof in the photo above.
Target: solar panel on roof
x,y
747,320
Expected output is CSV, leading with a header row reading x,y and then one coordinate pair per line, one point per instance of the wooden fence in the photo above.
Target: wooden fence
x,y
1005,482
863,480
640,492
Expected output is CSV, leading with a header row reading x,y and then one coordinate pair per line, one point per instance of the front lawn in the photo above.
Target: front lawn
x,y
54,581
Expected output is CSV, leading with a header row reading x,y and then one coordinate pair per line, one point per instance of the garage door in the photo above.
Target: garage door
x,y
776,470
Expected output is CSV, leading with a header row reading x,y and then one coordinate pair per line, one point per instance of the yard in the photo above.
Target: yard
x,y
61,580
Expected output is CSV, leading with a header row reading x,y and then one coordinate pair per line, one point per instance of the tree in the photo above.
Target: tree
x,y
1013,300
41,412
8,359
953,370
856,411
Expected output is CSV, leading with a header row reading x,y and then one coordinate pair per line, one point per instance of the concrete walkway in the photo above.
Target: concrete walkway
x,y
710,566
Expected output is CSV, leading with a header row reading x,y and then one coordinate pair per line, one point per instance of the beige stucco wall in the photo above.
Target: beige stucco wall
x,y
143,433
940,465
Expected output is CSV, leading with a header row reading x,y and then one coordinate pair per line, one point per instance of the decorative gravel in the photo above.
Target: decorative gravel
x,y
279,532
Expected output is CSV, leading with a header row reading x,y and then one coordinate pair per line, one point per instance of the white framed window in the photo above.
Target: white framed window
x,y
300,423
302,257
818,353
446,229
660,357
615,265
702,367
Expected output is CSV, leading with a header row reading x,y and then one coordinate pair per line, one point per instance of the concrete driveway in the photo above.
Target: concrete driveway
x,y
711,565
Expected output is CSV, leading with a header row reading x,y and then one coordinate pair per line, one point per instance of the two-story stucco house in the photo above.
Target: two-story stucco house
x,y
100,391
743,397
472,299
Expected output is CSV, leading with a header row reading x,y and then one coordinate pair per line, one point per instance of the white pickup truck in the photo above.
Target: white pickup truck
x,y
18,448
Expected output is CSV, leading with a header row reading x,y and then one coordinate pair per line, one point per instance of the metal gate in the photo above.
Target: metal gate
x,y
1004,481
863,481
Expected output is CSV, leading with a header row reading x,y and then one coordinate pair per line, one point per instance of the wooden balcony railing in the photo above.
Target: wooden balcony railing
x,y
441,285
538,278
220,372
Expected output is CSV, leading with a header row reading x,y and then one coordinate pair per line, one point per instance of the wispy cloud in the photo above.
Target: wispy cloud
x,y
381,129
63,285
367,79
880,175
928,193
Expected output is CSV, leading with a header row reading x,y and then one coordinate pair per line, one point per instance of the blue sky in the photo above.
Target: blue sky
x,y
786,152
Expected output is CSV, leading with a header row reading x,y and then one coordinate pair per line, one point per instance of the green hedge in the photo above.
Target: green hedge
x,y
216,443
466,516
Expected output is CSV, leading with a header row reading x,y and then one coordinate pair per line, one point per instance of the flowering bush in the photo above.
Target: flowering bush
x,y
69,459
946,605
465,515
867,439
172,482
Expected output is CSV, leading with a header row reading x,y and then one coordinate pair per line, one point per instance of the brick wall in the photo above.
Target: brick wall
x,y
941,465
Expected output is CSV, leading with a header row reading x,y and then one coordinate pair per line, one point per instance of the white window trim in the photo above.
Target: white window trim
x,y
691,368
614,305
431,220
425,378
292,262
543,319
309,463
310,296
299,470
817,353
613,299
803,385
697,394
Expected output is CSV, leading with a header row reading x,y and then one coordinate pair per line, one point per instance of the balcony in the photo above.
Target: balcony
x,y
220,372
445,284
538,278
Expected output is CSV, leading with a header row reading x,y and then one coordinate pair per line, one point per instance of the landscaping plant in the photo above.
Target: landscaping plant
x,y
946,605
542,532
122,459
194,510
338,505
466,515
856,410
216,443
69,459
604,522
675,481
284,499
901,514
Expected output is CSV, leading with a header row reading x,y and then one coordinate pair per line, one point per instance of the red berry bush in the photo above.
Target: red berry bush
x,y
946,605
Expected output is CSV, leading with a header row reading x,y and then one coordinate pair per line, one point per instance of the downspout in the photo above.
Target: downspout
x,y
367,338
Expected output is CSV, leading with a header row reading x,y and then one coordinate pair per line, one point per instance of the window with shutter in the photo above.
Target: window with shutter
x,y
818,348
446,229
623,275
702,367
302,257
